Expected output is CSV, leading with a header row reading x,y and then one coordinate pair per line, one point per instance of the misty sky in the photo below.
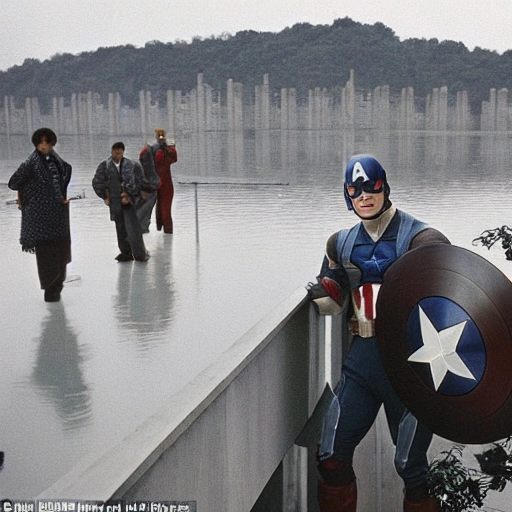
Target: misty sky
x,y
40,30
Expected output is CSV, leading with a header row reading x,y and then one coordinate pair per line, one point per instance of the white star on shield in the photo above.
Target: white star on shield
x,y
439,350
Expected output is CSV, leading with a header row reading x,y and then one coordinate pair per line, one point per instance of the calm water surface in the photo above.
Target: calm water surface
x,y
78,376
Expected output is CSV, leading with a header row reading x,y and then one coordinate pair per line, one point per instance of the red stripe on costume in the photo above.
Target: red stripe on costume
x,y
332,288
368,301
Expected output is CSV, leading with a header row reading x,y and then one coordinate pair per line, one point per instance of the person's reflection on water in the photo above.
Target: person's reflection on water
x,y
57,372
145,297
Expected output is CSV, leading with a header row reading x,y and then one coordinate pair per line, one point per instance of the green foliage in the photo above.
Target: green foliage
x,y
458,488
455,487
303,56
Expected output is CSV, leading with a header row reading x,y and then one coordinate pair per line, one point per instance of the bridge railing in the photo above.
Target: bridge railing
x,y
226,440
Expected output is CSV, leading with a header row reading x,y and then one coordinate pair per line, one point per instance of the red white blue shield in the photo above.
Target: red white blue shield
x,y
444,324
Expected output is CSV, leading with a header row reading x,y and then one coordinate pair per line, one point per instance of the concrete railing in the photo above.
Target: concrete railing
x,y
220,439
226,440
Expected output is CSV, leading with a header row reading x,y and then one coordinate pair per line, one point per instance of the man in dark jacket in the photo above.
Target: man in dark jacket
x,y
118,181
42,182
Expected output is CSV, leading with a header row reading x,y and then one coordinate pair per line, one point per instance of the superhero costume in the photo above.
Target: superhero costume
x,y
354,266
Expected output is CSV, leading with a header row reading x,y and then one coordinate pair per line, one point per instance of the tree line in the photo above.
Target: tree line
x,y
303,56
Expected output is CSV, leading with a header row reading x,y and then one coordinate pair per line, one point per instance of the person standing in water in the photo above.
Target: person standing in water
x,y
42,182
158,158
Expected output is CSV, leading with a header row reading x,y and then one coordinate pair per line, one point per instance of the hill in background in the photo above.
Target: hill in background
x,y
304,56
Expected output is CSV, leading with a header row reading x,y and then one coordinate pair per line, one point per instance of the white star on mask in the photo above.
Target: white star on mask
x,y
439,350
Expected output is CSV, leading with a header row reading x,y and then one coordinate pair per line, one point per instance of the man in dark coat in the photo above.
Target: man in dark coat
x,y
118,181
42,182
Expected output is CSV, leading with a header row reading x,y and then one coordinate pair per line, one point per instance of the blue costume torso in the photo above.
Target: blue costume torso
x,y
373,258
356,248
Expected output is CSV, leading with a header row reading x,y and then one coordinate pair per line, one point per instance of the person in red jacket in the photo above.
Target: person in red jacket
x,y
159,157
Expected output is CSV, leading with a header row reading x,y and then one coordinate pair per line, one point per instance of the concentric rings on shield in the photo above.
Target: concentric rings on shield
x,y
444,346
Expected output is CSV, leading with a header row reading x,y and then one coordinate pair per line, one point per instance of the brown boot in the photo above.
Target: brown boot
x,y
340,498
427,504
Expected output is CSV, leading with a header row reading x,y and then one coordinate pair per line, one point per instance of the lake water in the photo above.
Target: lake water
x,y
80,375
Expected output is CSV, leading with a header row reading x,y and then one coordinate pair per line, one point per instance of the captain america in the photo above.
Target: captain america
x,y
351,274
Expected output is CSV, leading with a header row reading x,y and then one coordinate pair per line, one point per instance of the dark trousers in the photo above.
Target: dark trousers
x,y
52,257
129,233
144,209
364,388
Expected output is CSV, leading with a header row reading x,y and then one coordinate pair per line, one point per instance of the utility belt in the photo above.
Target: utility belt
x,y
362,328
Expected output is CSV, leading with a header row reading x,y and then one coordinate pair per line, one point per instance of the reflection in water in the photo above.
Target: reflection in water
x,y
145,299
249,235
57,372
262,151
235,152
495,149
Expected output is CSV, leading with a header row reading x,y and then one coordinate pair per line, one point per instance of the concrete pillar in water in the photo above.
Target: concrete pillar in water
x,y
284,108
81,114
315,116
407,111
484,116
463,113
36,112
316,108
380,107
326,110
492,110
375,105
150,121
292,109
402,119
192,109
143,115
351,100
411,111
386,109
265,103
201,119
55,114
348,103
114,104
434,119
28,115
343,108
238,103
311,100
7,115
62,115
443,108
257,107
230,110
177,110
171,112
74,115
89,123
209,119
502,110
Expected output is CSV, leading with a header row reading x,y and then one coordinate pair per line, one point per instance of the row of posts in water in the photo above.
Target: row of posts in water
x,y
202,109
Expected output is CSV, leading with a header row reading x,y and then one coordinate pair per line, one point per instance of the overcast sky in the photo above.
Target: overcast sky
x,y
39,29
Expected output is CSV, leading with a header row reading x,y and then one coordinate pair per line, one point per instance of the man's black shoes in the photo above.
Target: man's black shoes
x,y
124,257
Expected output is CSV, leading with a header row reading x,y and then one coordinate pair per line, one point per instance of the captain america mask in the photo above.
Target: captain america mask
x,y
364,174
355,189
